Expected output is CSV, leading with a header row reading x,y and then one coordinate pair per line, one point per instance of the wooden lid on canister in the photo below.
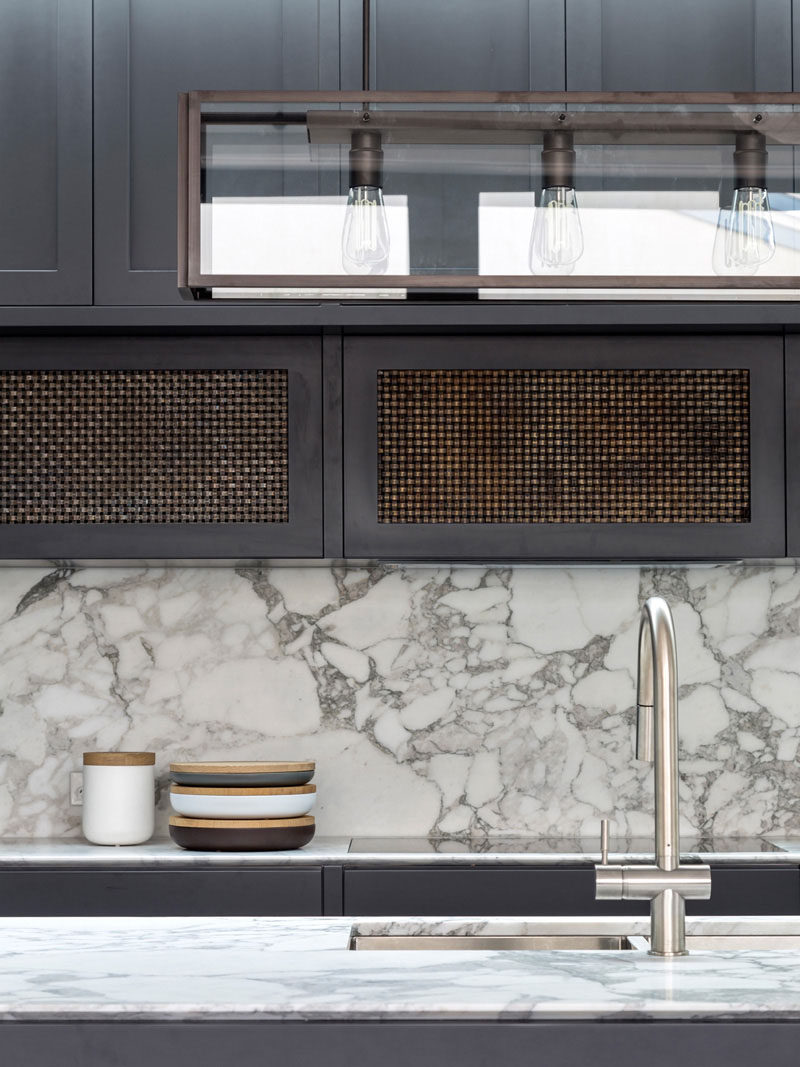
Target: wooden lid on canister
x,y
119,759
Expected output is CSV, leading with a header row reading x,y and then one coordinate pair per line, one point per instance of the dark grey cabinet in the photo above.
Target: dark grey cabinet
x,y
570,447
46,138
161,447
726,45
145,53
769,889
188,891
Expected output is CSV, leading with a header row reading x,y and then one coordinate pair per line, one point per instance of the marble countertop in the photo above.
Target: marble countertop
x,y
162,852
302,969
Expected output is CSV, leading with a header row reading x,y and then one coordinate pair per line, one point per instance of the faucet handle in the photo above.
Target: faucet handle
x,y
604,842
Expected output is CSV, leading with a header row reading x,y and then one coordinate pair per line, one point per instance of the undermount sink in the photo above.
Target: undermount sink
x,y
485,942
579,934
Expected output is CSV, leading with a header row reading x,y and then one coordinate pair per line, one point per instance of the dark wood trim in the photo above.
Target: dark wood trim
x,y
463,281
290,96
300,537
332,431
764,536
182,195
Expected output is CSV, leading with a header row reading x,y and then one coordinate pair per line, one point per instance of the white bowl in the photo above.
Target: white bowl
x,y
210,803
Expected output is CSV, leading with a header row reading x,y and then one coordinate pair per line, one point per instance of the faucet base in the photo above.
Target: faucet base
x,y
668,924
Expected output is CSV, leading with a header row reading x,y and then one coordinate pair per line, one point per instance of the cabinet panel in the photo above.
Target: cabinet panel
x,y
479,891
457,44
46,134
725,45
146,52
563,890
182,447
560,448
182,892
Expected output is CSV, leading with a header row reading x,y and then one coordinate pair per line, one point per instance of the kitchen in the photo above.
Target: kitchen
x,y
409,592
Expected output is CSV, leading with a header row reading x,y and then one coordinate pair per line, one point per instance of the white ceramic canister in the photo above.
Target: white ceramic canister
x,y
118,797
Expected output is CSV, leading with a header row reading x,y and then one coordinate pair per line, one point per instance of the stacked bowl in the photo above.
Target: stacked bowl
x,y
241,806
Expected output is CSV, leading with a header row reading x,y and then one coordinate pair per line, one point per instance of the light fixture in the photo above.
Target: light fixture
x,y
365,235
556,238
745,237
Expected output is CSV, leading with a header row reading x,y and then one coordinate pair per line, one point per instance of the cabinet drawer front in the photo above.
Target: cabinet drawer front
x,y
160,447
535,447
182,892
767,890
477,891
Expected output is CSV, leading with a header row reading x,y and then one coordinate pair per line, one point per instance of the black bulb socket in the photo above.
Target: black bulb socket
x,y
366,158
750,161
558,160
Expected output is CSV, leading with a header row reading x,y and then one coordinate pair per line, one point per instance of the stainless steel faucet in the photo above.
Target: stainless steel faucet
x,y
665,884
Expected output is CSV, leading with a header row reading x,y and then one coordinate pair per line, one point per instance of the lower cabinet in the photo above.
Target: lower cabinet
x,y
190,891
564,890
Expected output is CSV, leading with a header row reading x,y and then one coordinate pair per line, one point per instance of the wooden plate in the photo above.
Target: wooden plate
x,y
243,773
241,835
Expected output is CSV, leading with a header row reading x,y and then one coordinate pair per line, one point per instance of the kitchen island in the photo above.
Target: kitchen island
x,y
291,991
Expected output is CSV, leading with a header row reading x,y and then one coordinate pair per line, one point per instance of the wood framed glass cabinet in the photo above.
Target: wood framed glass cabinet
x,y
570,447
165,447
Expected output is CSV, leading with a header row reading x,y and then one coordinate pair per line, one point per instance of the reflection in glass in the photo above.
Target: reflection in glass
x,y
745,237
556,239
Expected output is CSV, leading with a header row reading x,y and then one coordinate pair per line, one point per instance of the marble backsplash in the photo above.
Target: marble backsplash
x,y
453,700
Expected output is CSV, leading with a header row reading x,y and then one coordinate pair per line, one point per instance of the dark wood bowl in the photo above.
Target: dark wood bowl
x,y
241,835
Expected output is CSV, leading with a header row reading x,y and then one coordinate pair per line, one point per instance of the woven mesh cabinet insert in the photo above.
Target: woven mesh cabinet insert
x,y
564,446
144,446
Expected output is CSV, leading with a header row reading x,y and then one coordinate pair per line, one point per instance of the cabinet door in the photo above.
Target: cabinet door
x,y
46,136
563,448
192,891
168,447
725,45
146,52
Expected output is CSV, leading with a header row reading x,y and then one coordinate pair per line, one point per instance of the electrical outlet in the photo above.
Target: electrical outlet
x,y
76,788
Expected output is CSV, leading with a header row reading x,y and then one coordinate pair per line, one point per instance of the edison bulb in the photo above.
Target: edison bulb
x,y
365,237
745,237
556,238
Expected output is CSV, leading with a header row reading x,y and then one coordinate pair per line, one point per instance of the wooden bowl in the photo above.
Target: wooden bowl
x,y
241,835
242,772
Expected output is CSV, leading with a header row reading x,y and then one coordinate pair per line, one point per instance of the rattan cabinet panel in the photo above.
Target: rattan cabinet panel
x,y
590,447
186,447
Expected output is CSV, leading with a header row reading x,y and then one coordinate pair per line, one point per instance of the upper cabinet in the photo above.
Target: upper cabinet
x,y
160,447
145,53
46,135
724,45
563,448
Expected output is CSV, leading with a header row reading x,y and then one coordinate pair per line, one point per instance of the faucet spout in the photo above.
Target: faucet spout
x,y
665,884
658,689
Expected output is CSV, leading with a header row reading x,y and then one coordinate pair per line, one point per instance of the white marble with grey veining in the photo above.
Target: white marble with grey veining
x,y
447,700
72,969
